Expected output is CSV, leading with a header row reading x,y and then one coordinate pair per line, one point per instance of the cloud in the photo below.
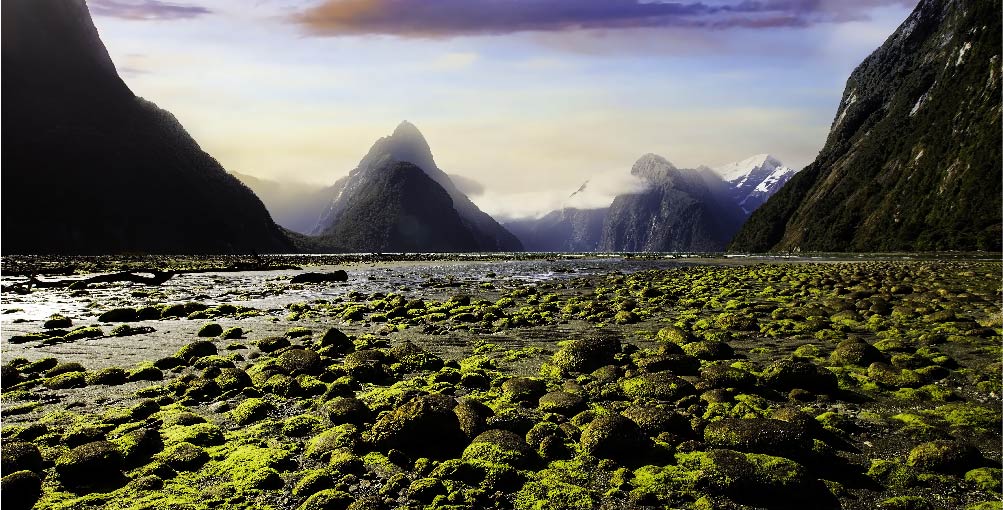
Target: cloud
x,y
146,10
450,18
454,61
467,185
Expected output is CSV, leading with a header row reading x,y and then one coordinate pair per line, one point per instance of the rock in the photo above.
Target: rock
x,y
89,465
524,389
337,341
230,379
679,364
725,376
300,361
675,335
195,350
946,456
657,418
335,276
273,343
855,352
57,321
210,330
20,490
66,381
119,315
328,499
561,402
759,435
410,427
615,437
366,365
472,415
185,457
585,355
754,478
348,410
888,375
501,447
424,490
659,386
787,374
108,376
413,358
709,350
20,456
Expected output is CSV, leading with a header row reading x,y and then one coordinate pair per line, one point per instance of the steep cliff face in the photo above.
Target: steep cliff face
x,y
912,161
681,210
395,207
88,167
407,144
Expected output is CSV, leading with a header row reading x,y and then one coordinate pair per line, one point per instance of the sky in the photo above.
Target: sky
x,y
527,97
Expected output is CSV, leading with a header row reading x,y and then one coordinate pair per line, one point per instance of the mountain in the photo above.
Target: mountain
x,y
680,210
394,206
407,144
754,180
88,167
912,161
293,205
565,230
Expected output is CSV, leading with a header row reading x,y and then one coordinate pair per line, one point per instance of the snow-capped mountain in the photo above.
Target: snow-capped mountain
x,y
755,179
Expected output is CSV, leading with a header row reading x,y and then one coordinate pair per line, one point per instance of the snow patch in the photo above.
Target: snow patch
x,y
961,53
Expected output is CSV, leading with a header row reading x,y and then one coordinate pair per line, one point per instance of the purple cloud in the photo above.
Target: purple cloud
x,y
145,10
448,18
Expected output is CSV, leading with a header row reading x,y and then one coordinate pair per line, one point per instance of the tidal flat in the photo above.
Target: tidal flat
x,y
550,382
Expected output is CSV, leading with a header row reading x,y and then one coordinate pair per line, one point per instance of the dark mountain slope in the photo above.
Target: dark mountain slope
x,y
680,210
396,207
88,167
407,144
912,161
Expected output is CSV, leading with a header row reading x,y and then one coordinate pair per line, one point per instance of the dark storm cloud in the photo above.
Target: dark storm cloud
x,y
448,18
146,9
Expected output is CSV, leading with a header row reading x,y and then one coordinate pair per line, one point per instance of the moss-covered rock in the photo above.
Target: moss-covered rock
x,y
944,456
273,343
20,489
788,374
119,315
20,456
524,389
659,386
759,435
91,464
299,361
585,355
210,329
66,381
411,358
500,447
348,410
251,410
197,349
613,436
472,416
561,402
855,352
655,418
328,499
184,457
341,437
335,341
409,427
112,376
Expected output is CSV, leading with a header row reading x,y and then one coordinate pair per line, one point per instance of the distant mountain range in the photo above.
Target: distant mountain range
x,y
912,161
675,209
403,210
293,205
88,167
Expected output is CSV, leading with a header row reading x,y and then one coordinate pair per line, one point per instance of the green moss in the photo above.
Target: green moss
x,y
906,503
199,434
251,410
335,438
986,478
301,425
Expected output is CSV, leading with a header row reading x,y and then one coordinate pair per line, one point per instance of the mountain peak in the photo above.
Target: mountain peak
x,y
651,166
740,170
406,129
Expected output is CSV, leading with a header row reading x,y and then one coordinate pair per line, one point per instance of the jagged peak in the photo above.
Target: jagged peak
x,y
741,169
